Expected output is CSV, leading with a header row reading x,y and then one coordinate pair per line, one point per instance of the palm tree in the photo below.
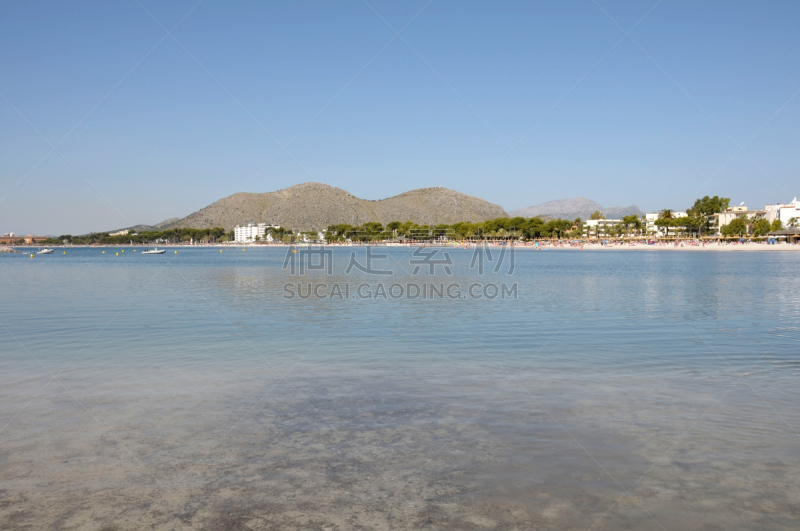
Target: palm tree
x,y
637,226
666,214
792,223
749,223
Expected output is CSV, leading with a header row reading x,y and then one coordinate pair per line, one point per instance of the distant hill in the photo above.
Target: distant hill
x,y
314,206
578,207
145,228
619,212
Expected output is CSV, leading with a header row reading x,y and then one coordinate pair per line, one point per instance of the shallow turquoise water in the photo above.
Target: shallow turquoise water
x,y
642,390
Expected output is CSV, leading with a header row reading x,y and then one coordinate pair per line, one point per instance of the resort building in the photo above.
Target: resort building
x,y
783,212
249,233
119,233
652,228
252,232
726,216
597,227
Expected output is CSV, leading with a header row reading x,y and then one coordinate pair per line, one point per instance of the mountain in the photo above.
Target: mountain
x,y
560,209
314,206
145,228
578,207
619,212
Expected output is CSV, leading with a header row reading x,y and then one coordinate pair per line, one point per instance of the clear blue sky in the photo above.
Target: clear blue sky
x,y
161,127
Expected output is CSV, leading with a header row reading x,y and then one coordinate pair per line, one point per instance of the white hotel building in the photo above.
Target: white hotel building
x,y
597,227
248,233
652,228
726,216
783,212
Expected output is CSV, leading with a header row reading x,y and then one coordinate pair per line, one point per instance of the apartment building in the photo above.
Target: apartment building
x,y
726,216
597,227
251,232
783,212
652,228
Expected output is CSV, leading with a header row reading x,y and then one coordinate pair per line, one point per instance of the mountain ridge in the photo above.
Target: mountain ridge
x,y
142,227
315,206
576,207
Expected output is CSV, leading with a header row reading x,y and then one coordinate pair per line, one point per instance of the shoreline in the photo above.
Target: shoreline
x,y
541,246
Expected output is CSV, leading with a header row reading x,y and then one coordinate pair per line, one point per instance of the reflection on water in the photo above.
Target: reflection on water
x,y
621,390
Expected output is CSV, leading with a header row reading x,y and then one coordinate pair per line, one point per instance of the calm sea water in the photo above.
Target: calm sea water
x,y
617,390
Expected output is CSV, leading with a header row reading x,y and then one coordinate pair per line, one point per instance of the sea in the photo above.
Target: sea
x,y
399,388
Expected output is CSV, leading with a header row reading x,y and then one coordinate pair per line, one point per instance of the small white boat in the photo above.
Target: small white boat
x,y
45,251
154,251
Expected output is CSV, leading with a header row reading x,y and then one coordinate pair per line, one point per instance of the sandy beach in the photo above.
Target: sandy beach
x,y
533,246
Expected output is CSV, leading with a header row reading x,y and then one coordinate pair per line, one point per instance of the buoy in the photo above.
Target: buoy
x,y
104,252
117,254
123,250
243,250
220,250
31,255
65,252
176,252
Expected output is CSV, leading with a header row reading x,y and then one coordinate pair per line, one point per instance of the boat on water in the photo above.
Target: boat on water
x,y
155,250
45,251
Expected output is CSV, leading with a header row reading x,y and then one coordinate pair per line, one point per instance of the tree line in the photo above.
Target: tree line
x,y
216,234
499,228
